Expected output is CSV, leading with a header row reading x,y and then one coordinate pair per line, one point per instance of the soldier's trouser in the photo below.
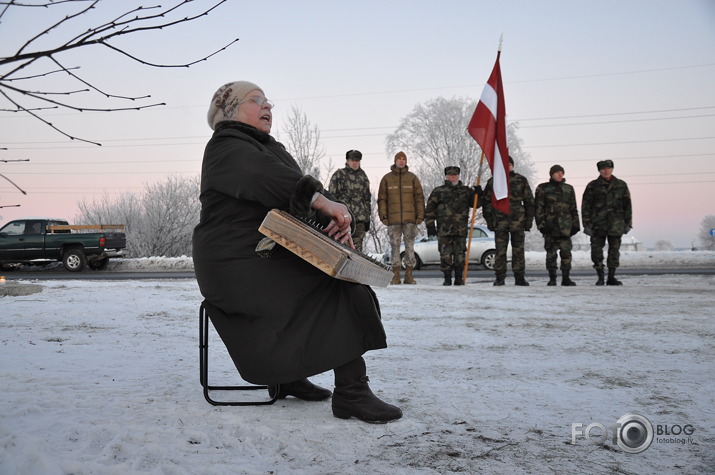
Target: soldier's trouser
x,y
451,252
614,251
563,246
359,235
396,232
518,262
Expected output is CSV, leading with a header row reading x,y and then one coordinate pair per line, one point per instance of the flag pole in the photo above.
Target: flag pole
x,y
474,215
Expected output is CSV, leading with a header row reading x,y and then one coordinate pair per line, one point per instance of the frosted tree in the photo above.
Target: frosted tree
x,y
159,222
302,139
664,245
434,136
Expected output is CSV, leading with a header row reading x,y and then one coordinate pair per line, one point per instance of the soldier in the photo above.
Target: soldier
x,y
449,205
557,219
401,206
519,219
351,186
607,215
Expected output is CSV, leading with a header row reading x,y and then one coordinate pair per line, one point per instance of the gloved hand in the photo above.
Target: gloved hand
x,y
478,190
587,230
628,228
575,230
367,226
431,230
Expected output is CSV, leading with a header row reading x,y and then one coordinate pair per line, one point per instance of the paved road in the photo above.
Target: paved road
x,y
432,271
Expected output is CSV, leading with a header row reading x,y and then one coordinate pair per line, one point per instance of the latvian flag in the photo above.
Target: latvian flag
x,y
488,128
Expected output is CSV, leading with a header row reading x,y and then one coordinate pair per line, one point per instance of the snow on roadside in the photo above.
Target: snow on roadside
x,y
102,377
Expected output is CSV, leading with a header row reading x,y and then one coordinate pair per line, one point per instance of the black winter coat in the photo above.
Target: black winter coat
x,y
284,319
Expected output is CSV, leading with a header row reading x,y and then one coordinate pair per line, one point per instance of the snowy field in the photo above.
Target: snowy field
x,y
101,377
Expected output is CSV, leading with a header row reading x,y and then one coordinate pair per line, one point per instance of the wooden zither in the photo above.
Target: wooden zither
x,y
309,243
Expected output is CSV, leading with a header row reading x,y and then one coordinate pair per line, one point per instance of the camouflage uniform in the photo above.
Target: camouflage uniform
x,y
607,215
352,187
449,205
557,219
519,219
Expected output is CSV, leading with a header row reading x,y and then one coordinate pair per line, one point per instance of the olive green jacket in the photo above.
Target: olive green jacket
x,y
400,198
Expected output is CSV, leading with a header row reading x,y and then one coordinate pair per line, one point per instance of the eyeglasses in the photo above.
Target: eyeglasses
x,y
258,100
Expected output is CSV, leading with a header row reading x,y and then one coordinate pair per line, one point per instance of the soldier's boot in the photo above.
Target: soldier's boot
x,y
520,280
459,276
565,279
499,281
395,275
552,278
612,277
447,277
599,272
408,276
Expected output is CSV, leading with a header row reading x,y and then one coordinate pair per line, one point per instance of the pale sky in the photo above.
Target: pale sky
x,y
627,80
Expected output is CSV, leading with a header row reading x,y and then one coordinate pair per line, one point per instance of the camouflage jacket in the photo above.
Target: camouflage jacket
x,y
556,211
606,207
521,206
400,198
449,205
352,187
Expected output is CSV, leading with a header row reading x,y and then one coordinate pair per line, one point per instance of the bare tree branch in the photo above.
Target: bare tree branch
x,y
15,90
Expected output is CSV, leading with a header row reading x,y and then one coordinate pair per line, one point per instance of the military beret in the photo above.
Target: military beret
x,y
604,164
451,171
556,168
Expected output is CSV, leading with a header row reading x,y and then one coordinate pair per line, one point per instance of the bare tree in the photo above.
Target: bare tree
x,y
29,75
707,232
304,143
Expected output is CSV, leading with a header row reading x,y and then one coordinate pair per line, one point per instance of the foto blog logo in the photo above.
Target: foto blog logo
x,y
633,433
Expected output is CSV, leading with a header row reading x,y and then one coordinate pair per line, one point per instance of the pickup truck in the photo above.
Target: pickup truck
x,y
42,240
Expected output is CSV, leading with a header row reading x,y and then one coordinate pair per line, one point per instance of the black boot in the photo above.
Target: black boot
x,y
353,397
458,276
447,277
599,272
566,280
612,277
552,278
520,280
302,389
499,281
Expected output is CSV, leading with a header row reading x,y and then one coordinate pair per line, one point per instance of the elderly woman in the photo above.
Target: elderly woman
x,y
281,319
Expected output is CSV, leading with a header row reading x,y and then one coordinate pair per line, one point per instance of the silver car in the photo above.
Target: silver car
x,y
483,250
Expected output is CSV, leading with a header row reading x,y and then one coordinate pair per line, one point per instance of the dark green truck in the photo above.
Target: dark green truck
x,y
42,240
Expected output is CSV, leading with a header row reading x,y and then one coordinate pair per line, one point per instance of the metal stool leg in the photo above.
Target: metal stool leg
x,y
204,370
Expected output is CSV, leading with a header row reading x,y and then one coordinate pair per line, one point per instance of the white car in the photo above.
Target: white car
x,y
483,250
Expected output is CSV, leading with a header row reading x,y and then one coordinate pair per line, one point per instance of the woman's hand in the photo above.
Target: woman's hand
x,y
340,219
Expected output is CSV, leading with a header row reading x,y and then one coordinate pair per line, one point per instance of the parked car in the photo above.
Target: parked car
x,y
482,252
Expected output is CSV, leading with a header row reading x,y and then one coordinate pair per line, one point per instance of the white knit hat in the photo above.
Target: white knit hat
x,y
225,101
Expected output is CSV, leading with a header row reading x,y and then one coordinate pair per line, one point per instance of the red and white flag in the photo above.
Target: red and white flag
x,y
488,128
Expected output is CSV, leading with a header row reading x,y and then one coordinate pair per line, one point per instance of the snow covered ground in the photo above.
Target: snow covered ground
x,y
101,377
